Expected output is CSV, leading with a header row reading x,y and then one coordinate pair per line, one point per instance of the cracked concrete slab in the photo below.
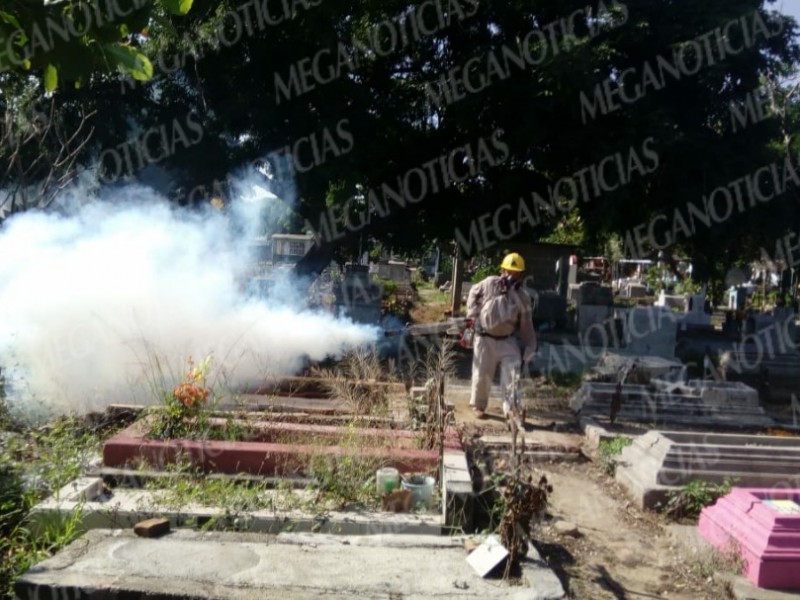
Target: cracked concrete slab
x,y
205,565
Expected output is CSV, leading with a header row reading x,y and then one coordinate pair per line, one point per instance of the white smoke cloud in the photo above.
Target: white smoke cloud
x,y
98,305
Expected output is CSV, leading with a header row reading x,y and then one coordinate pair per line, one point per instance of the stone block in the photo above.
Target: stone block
x,y
151,528
566,528
458,503
573,292
638,369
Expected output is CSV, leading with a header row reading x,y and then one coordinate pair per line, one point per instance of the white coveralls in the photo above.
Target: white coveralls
x,y
502,346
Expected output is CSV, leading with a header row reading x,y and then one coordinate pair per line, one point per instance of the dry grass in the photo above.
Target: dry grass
x,y
354,381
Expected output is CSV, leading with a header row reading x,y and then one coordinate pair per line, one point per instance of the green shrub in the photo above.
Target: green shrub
x,y
608,450
389,289
482,273
688,286
564,378
33,465
688,501
12,497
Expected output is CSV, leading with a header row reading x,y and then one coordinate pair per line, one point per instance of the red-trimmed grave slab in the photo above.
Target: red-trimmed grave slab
x,y
278,448
763,525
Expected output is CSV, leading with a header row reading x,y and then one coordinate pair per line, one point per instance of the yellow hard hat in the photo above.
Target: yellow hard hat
x,y
513,262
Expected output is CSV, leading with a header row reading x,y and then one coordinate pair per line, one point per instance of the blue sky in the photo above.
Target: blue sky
x,y
789,7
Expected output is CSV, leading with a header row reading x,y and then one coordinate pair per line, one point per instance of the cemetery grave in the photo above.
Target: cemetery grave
x,y
117,497
288,433
291,424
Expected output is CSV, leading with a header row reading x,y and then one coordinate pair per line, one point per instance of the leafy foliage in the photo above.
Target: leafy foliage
x,y
485,271
688,286
72,40
608,450
689,500
569,230
386,104
564,379
33,465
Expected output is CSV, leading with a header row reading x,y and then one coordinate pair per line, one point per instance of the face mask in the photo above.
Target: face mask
x,y
510,282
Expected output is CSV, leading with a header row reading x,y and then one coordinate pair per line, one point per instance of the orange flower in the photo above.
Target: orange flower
x,y
192,391
190,395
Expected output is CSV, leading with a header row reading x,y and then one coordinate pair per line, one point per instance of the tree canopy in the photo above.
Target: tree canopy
x,y
450,119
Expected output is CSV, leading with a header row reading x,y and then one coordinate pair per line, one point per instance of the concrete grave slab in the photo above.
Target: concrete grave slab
x,y
539,444
659,462
115,563
717,393
457,491
593,321
701,404
102,507
124,507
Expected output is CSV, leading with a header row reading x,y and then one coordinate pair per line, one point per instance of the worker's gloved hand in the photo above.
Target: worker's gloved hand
x,y
528,354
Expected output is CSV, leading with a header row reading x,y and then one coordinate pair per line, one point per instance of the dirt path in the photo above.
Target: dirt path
x,y
619,552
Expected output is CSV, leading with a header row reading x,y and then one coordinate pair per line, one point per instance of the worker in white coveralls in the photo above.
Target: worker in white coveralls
x,y
500,311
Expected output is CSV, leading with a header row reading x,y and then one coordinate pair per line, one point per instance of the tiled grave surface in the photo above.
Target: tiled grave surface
x,y
762,527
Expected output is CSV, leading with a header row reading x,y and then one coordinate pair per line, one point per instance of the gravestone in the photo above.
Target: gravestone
x,y
594,323
594,293
357,296
695,316
651,331
594,314
640,369
766,356
648,404
567,275
785,318
634,290
550,308
737,298
394,271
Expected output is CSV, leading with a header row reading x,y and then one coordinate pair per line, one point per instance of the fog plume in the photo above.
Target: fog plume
x,y
100,303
